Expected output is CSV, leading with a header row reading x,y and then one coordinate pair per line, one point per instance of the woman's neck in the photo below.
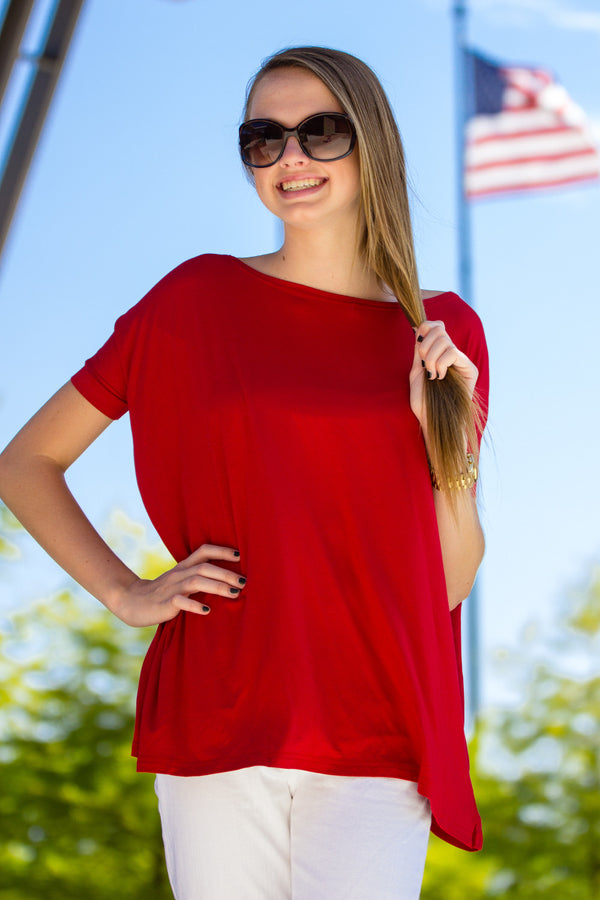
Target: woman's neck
x,y
319,259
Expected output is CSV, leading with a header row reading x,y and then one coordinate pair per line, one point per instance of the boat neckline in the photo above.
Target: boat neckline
x,y
296,287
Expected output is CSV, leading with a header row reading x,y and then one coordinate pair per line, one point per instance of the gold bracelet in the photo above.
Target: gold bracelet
x,y
462,481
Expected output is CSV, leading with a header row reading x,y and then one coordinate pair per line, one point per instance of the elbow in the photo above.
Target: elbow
x,y
15,472
8,479
5,476
460,588
455,598
459,594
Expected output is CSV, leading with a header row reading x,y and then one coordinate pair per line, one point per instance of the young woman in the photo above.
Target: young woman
x,y
306,433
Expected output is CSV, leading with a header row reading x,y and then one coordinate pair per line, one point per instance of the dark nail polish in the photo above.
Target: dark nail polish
x,y
234,590
242,580
429,375
206,609
420,338
236,552
423,363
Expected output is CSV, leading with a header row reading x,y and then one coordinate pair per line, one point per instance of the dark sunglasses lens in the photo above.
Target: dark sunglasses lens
x,y
260,143
326,136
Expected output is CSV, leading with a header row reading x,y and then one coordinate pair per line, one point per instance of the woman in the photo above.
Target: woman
x,y
302,422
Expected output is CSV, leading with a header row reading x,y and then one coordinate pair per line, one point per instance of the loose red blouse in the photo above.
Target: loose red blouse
x,y
274,418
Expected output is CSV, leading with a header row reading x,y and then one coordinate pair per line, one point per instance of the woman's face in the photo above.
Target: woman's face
x,y
299,190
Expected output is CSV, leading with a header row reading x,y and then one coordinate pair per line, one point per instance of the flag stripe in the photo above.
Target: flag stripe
x,y
521,187
532,173
530,147
498,138
510,123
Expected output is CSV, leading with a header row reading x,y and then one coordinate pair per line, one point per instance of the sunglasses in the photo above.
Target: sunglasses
x,y
324,137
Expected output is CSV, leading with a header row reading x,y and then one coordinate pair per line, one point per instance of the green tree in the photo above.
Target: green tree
x,y
76,820
537,774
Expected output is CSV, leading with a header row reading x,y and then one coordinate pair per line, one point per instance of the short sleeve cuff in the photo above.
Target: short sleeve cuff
x,y
99,394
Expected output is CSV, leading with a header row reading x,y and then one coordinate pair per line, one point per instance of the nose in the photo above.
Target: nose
x,y
293,154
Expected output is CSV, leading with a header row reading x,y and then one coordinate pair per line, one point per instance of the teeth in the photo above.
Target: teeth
x,y
301,185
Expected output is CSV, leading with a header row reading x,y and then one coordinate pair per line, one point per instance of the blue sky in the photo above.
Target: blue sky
x,y
137,170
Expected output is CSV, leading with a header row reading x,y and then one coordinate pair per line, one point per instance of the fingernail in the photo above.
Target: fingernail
x,y
206,609
234,590
236,552
420,338
423,363
242,580
429,375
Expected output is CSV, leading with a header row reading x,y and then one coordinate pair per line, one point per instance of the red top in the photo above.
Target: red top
x,y
275,418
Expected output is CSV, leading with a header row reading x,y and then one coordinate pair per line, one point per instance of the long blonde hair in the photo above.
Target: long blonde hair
x,y
386,243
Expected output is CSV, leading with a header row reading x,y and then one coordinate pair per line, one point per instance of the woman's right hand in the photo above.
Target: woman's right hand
x,y
150,602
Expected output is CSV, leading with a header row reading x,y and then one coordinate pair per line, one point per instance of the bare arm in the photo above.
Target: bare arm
x,y
461,535
33,486
462,543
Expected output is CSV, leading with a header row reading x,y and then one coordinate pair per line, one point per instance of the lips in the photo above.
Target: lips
x,y
300,184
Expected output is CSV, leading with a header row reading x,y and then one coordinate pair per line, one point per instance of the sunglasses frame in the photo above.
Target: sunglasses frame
x,y
294,132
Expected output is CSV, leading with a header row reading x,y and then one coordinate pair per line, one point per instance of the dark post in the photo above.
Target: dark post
x,y
11,35
48,66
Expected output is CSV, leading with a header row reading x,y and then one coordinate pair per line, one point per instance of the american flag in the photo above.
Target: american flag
x,y
525,132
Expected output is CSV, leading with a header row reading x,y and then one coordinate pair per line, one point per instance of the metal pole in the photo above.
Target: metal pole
x,y
463,93
13,29
33,114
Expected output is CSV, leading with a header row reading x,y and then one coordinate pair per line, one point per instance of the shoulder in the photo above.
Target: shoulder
x,y
205,266
451,309
177,294
188,282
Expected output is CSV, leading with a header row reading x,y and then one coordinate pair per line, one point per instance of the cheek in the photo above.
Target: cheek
x,y
263,189
352,173
354,188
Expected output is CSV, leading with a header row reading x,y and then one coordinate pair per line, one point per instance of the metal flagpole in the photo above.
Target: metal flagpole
x,y
463,93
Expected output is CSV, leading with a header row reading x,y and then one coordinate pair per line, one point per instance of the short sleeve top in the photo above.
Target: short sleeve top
x,y
274,418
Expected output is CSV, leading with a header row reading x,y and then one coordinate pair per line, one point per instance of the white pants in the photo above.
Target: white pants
x,y
264,833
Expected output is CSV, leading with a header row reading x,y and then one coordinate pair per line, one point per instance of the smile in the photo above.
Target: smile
x,y
301,184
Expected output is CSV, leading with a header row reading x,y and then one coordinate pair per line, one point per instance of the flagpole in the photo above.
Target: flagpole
x,y
463,98
462,95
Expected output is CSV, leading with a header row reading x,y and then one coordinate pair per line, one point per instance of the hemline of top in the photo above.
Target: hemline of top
x,y
406,771
307,292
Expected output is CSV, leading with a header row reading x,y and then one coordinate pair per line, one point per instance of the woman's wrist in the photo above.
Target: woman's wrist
x,y
117,597
465,476
460,481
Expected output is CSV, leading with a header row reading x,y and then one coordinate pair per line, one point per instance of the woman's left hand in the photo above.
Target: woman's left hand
x,y
434,354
